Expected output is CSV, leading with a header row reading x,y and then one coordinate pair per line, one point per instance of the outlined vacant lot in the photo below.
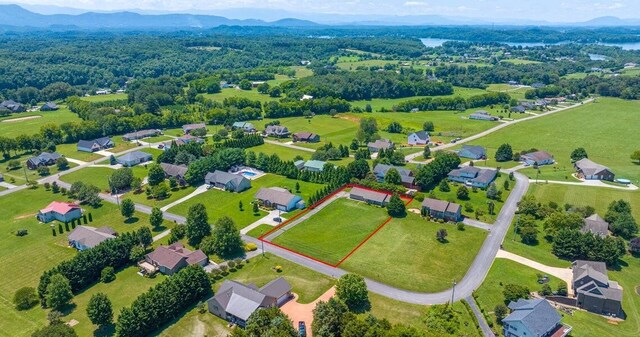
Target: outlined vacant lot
x,y
331,230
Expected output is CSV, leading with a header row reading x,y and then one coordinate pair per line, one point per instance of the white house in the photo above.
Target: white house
x,y
418,138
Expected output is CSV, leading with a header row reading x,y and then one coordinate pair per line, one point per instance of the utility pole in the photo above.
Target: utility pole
x,y
453,291
262,242
515,228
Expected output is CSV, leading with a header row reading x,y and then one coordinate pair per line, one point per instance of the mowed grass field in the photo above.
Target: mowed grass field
x,y
252,94
19,123
602,128
388,103
406,254
104,98
220,203
334,231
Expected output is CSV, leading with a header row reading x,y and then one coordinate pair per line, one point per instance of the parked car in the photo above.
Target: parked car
x,y
302,329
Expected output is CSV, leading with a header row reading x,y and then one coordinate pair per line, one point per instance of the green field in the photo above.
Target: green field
x,y
220,203
176,194
252,94
598,127
21,174
11,126
388,103
520,61
104,98
332,233
260,230
97,176
406,254
71,150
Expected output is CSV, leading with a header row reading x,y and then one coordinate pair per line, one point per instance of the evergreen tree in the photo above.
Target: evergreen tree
x,y
396,208
197,226
156,217
504,153
127,208
393,177
99,309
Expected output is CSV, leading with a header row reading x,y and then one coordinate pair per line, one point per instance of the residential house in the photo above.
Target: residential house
x,y
86,237
186,139
418,138
483,115
519,109
277,131
188,128
589,170
244,126
310,165
278,198
170,259
439,209
308,137
174,171
533,318
473,176
380,171
380,144
43,159
538,85
370,196
306,97
134,158
634,245
596,225
593,289
472,152
235,302
227,181
537,158
512,82
141,134
61,211
94,145
49,106
13,106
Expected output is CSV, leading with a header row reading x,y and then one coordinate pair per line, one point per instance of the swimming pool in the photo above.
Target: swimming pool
x,y
248,173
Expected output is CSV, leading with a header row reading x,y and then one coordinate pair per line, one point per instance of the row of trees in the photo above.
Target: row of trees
x,y
291,107
429,175
453,103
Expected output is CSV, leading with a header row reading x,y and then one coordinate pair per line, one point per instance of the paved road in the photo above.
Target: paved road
x,y
486,330
477,224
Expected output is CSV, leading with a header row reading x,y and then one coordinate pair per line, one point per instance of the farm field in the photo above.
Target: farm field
x,y
332,233
220,203
589,126
406,254
104,98
20,123
252,94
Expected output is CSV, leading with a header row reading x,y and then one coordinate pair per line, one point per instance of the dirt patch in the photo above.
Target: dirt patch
x,y
24,216
414,210
612,322
20,119
350,118
638,290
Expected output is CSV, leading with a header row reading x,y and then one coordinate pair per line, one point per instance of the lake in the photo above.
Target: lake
x,y
432,43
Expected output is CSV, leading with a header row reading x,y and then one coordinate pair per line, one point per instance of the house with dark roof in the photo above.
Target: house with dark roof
x,y
188,128
86,237
49,106
174,171
278,198
634,245
13,106
473,176
134,158
589,170
596,225
380,144
141,134
370,196
186,139
406,176
472,152
533,318
94,145
277,131
418,138
483,115
244,126
308,137
61,211
594,291
235,302
170,259
519,109
537,158
440,209
310,165
227,181
43,159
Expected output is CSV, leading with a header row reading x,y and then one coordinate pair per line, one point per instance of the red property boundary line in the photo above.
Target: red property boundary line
x,y
321,201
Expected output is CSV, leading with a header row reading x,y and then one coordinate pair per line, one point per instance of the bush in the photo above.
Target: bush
x,y
250,247
21,232
278,269
546,290
460,226
562,290
107,275
232,265
25,298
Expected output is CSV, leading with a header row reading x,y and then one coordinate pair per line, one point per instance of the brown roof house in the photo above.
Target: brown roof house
x,y
308,137
278,131
593,289
596,225
170,259
174,171
279,198
187,128
439,209
369,196
380,144
537,158
589,170
235,301
86,237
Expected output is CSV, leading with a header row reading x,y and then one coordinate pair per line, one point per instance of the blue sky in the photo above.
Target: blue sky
x,y
549,10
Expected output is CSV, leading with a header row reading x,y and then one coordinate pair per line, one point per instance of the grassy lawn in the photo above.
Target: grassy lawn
x,y
25,258
104,98
520,61
12,126
252,94
157,139
71,151
284,153
260,230
331,234
220,203
178,193
590,126
388,103
406,254
97,176
550,172
19,174
194,323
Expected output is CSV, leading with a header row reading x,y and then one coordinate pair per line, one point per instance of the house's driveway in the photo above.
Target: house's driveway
x,y
201,189
266,220
304,312
565,274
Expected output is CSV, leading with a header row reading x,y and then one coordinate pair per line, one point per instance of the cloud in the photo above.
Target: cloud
x,y
415,3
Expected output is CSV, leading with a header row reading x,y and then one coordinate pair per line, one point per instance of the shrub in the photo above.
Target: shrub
x,y
546,290
107,275
231,264
468,207
250,247
278,269
25,298
562,290
460,226
21,232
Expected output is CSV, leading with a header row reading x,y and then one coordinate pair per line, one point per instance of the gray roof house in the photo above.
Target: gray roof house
x,y
518,109
49,106
593,289
533,318
310,165
187,128
235,301
175,171
380,171
440,209
483,115
370,196
141,134
134,158
418,138
589,170
13,106
170,259
278,131
380,144
94,145
227,181
472,152
308,137
473,176
537,158
245,126
278,198
86,237
43,159
596,225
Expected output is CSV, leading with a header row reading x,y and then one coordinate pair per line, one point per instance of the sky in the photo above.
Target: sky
x,y
547,10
